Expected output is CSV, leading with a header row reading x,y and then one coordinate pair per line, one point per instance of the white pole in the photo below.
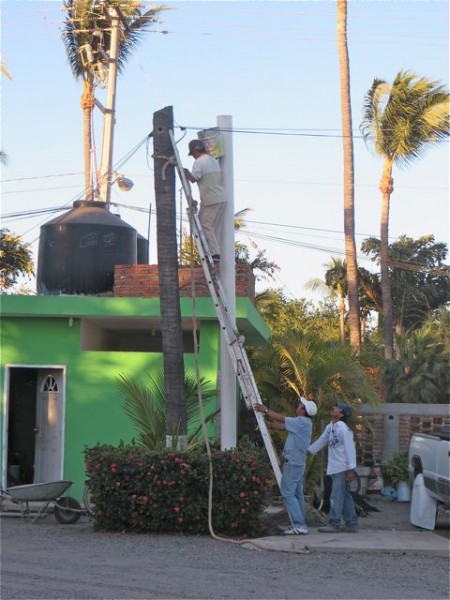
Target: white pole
x,y
228,400
110,111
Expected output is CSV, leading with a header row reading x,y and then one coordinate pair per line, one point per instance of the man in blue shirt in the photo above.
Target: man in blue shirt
x,y
299,430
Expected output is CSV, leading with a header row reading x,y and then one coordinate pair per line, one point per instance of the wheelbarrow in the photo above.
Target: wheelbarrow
x,y
67,510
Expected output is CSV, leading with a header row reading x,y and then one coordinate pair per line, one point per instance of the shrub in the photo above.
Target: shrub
x,y
167,491
395,469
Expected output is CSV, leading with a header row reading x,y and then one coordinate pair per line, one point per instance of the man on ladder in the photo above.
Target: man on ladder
x,y
234,342
207,174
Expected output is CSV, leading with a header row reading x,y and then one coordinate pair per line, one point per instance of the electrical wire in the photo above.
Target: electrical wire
x,y
41,177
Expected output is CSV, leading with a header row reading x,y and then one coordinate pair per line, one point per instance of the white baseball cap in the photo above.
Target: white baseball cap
x,y
310,406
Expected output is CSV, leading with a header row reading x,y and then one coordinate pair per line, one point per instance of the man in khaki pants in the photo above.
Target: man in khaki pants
x,y
207,174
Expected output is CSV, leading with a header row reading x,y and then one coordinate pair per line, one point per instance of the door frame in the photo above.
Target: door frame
x,y
6,391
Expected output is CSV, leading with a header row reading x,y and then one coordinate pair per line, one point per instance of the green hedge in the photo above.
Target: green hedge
x,y
167,491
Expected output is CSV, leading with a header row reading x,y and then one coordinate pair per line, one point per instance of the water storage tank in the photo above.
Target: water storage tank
x,y
78,250
142,250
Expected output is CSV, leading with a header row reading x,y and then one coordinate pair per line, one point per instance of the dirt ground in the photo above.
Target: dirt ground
x,y
50,561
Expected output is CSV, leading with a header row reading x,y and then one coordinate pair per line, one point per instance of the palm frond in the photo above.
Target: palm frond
x,y
402,118
145,405
146,409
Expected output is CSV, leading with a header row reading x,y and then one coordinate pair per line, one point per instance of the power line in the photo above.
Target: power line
x,y
291,133
40,177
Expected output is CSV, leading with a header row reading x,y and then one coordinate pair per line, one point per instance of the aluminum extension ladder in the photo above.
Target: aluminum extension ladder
x,y
233,339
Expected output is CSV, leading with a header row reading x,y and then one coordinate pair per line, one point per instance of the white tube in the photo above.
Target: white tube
x,y
227,377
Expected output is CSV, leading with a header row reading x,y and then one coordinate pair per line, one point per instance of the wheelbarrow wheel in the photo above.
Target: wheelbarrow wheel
x,y
67,510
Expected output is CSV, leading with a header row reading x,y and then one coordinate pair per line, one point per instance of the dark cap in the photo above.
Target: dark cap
x,y
196,145
346,410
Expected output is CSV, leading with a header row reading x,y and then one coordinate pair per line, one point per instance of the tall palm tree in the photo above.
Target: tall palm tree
x,y
349,178
400,120
86,34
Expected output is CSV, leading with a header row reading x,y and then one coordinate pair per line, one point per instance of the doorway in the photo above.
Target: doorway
x,y
33,425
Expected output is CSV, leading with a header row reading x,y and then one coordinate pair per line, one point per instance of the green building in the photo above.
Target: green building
x,y
60,358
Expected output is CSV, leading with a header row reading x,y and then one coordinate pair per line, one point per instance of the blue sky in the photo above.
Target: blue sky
x,y
273,67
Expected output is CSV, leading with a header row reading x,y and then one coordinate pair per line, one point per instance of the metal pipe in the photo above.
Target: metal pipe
x,y
227,377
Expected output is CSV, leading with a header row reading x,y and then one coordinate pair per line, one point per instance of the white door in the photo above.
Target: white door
x,y
49,423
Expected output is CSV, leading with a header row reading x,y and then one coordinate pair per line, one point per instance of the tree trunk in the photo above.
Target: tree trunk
x,y
87,105
386,189
342,319
349,186
363,327
172,334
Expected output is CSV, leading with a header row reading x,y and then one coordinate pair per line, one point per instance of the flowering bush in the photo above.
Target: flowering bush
x,y
167,491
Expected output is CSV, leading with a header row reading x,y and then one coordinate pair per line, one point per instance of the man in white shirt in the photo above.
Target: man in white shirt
x,y
338,436
207,174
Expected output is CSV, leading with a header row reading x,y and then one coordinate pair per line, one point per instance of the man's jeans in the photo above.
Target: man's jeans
x,y
341,503
292,492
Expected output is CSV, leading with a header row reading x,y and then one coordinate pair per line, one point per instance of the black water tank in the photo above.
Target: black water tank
x,y
142,250
78,250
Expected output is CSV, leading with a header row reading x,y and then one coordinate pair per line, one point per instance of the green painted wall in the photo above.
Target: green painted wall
x,y
36,331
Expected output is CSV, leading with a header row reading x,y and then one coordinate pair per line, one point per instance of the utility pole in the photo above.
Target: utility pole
x,y
166,231
114,15
228,382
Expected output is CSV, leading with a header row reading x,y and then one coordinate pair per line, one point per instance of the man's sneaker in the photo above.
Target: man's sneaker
x,y
296,531
351,530
328,529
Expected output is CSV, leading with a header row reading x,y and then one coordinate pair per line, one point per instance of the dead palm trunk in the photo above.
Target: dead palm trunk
x,y
349,187
87,106
172,333
386,189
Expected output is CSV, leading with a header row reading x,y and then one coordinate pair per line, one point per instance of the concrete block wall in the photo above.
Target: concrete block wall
x,y
143,281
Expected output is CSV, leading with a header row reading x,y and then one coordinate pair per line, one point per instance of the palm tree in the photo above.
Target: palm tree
x,y
419,278
369,296
349,179
304,364
421,375
336,281
15,259
146,406
400,120
86,36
